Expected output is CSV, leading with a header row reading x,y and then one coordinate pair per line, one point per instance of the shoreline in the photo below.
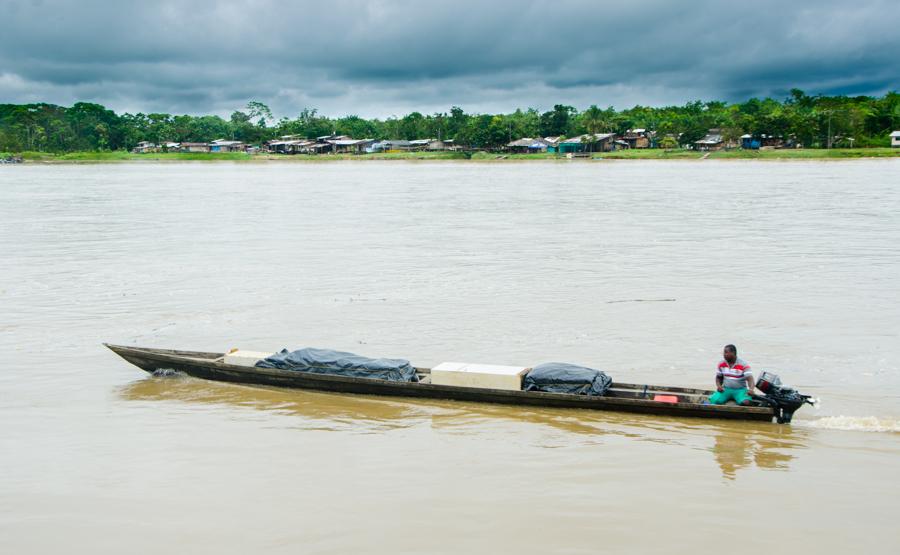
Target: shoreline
x,y
624,155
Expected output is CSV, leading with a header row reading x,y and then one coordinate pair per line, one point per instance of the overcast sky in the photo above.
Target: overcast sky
x,y
374,58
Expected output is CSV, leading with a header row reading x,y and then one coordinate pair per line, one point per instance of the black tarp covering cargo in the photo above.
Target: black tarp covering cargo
x,y
559,377
337,363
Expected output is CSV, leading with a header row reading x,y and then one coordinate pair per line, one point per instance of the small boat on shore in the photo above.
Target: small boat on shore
x,y
622,397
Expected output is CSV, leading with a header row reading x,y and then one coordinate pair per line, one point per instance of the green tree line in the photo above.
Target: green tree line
x,y
813,121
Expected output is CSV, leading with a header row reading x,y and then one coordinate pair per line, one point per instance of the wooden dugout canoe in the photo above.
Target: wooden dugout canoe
x,y
622,397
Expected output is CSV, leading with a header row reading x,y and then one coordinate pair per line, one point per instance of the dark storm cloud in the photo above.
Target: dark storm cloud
x,y
382,58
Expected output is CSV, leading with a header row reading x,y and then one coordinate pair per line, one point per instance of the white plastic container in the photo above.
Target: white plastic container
x,y
245,358
483,376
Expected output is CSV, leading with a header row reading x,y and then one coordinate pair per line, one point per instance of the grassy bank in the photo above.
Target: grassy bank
x,y
122,156
784,154
376,156
643,154
684,154
809,153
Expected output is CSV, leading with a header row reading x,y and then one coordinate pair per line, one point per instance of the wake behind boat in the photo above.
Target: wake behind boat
x,y
555,387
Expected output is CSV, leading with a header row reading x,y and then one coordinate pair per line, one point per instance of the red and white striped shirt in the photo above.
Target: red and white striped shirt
x,y
735,376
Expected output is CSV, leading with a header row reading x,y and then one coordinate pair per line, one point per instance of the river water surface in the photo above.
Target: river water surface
x,y
642,269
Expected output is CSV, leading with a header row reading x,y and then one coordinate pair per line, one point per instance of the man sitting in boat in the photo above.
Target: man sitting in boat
x,y
733,379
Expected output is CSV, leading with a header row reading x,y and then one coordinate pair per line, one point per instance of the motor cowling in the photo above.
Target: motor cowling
x,y
785,400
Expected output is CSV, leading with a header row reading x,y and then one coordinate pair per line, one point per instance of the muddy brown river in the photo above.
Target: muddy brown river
x,y
642,269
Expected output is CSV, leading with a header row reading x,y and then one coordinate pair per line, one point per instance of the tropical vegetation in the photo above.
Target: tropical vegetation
x,y
812,121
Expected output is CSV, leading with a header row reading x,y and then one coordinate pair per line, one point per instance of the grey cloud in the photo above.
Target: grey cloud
x,y
383,58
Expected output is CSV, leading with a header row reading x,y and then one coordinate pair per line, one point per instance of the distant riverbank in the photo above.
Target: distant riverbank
x,y
634,154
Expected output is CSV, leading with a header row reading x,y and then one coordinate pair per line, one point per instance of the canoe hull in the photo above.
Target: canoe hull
x,y
208,366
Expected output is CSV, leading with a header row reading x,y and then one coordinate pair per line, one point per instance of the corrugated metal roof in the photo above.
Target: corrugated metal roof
x,y
528,142
597,137
290,143
349,142
524,141
709,140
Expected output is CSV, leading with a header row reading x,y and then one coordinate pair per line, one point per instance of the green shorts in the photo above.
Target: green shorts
x,y
739,394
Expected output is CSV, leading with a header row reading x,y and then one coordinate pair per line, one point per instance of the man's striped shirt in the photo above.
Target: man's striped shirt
x,y
734,376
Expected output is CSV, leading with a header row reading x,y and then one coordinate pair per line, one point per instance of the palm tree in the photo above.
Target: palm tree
x,y
592,118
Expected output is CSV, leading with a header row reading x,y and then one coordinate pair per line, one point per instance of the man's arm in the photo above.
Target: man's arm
x,y
719,382
750,383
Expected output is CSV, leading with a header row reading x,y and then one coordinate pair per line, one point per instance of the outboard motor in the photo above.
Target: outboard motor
x,y
783,399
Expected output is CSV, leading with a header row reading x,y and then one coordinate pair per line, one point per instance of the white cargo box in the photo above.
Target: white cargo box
x,y
245,358
485,376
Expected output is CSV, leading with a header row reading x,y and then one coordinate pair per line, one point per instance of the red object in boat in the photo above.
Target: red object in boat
x,y
666,398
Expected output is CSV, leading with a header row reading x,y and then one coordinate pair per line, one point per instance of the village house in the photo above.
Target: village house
x,y
895,139
326,144
278,147
291,144
419,144
712,141
314,148
221,145
598,142
399,145
351,146
750,142
144,147
288,146
637,138
283,144
445,144
194,147
552,143
299,146
527,145
392,145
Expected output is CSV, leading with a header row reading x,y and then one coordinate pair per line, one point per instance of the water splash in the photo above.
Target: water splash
x,y
855,423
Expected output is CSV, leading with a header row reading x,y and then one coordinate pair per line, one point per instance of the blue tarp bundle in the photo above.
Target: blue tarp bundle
x,y
337,363
559,377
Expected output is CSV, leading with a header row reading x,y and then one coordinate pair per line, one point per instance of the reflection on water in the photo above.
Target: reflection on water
x,y
735,449
319,410
736,445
